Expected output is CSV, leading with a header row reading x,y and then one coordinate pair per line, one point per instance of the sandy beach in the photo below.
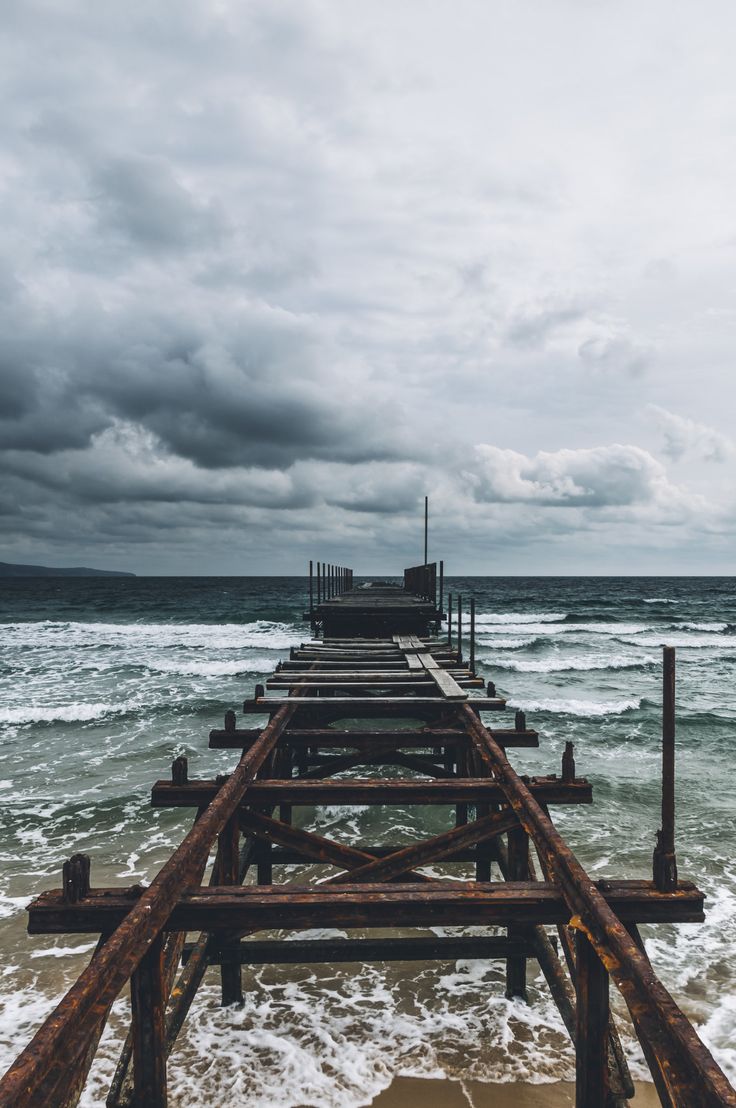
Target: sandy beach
x,y
408,1092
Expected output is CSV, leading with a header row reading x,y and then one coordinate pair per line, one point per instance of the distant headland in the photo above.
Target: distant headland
x,y
9,569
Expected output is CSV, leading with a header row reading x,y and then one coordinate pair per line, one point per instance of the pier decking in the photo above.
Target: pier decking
x,y
378,688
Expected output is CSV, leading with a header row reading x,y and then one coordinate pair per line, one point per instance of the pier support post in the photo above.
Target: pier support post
x,y
518,870
148,1005
471,662
449,619
229,859
664,861
591,1038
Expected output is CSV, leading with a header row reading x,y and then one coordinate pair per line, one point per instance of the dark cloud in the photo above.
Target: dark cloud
x,y
272,271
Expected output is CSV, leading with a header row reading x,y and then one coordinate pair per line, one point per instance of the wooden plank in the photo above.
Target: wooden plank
x,y
268,704
446,903
330,738
446,684
419,948
357,791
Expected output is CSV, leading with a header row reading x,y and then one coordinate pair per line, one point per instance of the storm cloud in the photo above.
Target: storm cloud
x,y
275,272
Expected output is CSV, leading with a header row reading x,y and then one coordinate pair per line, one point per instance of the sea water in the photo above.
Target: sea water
x,y
104,681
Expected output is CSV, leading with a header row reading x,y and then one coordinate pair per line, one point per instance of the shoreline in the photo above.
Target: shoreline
x,y
410,1092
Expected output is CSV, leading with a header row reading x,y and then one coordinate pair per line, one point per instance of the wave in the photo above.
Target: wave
x,y
661,600
192,668
266,634
585,708
696,641
510,643
562,665
64,713
489,619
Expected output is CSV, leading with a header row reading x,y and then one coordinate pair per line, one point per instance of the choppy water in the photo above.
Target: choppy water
x,y
104,681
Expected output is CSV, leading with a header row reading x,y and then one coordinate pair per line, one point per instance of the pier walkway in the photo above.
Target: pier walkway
x,y
376,686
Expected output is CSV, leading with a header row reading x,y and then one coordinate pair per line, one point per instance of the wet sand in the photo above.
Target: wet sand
x,y
411,1092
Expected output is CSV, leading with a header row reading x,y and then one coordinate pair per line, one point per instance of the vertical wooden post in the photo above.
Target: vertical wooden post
x,y
148,1027
459,628
449,619
591,1038
472,635
229,861
664,861
426,526
311,589
442,587
518,870
461,810
319,584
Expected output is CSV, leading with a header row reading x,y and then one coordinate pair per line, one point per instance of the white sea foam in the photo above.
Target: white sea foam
x,y
63,713
661,600
189,667
582,664
578,707
486,619
696,640
219,636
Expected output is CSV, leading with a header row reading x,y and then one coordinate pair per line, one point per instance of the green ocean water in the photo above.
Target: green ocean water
x,y
104,681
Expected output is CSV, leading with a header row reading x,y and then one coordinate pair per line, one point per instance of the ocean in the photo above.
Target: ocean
x,y
103,681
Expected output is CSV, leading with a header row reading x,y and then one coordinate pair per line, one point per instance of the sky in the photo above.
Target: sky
x,y
271,272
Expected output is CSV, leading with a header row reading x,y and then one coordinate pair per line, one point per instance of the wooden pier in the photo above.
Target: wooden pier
x,y
379,687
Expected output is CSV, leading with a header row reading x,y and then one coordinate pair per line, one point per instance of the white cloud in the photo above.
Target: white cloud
x,y
598,477
686,437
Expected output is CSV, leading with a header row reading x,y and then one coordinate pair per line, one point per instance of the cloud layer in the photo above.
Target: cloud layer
x,y
271,273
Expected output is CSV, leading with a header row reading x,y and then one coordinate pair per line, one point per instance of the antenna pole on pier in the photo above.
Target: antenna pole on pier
x,y
311,588
665,862
426,526
472,636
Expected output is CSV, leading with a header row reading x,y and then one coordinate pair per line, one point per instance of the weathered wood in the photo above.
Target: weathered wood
x,y
357,704
445,902
371,791
449,688
328,738
312,846
419,948
148,1000
591,1038
678,1046
38,1069
518,870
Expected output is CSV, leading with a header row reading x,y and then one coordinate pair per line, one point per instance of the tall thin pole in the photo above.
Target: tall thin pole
x,y
426,526
449,619
665,862
442,586
459,628
472,635
311,588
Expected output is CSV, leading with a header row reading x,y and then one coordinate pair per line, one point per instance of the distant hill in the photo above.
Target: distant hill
x,y
8,569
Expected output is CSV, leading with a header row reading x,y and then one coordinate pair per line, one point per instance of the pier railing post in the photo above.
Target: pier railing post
x,y
449,619
471,663
591,1038
459,628
442,587
148,1006
664,861
311,590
